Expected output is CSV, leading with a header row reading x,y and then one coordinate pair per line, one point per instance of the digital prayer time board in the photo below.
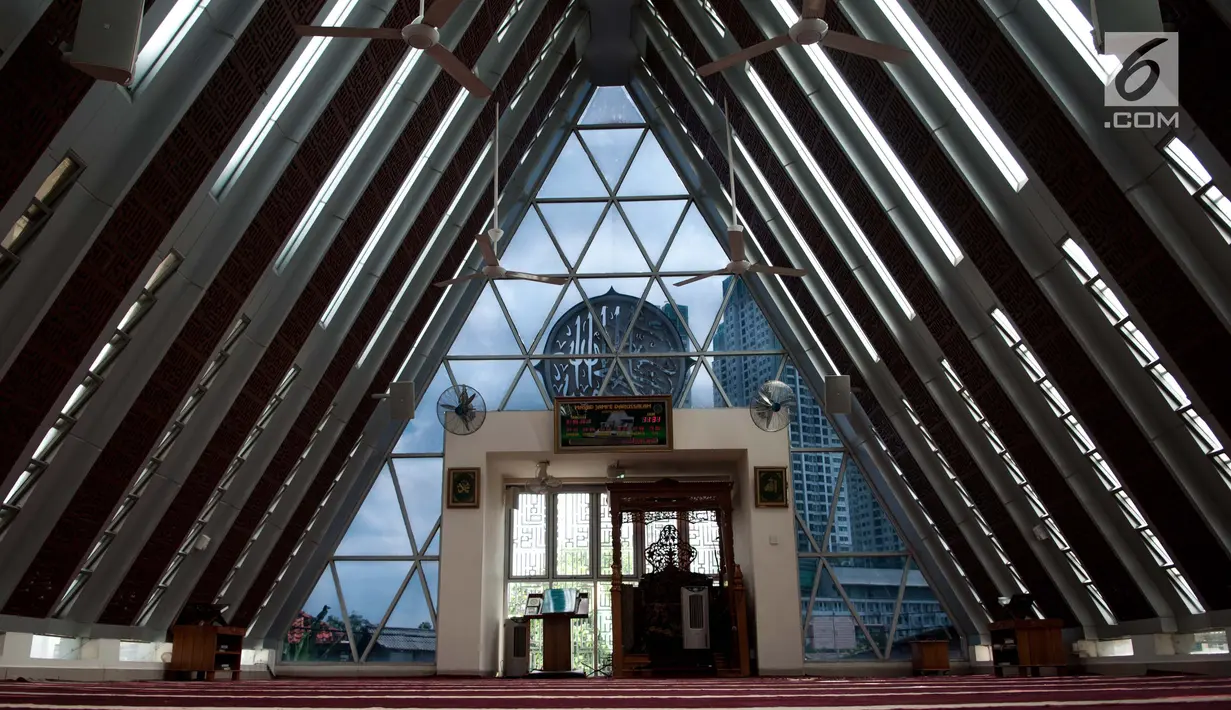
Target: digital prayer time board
x,y
613,423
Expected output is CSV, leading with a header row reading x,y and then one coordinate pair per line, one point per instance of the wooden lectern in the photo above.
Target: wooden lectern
x,y
557,635
1028,644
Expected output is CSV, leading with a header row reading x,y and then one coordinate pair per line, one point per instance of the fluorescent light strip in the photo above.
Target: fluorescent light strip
x,y
391,211
873,135
174,27
843,213
1200,184
814,265
280,99
357,143
972,116
1080,33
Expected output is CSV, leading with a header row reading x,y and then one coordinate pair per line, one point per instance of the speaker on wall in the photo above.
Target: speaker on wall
x,y
402,400
108,36
838,394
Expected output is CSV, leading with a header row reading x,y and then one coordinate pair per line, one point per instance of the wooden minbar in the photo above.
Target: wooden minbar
x,y
1029,645
929,657
643,644
206,649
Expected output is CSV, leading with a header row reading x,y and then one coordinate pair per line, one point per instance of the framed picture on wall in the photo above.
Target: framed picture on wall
x,y
772,486
463,491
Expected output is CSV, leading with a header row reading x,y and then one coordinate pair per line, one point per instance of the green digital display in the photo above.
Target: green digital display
x,y
613,423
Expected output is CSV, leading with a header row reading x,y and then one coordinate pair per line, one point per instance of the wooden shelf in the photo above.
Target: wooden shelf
x,y
206,650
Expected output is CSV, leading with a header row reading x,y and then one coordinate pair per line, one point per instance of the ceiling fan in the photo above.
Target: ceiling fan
x,y
739,263
487,242
422,34
811,29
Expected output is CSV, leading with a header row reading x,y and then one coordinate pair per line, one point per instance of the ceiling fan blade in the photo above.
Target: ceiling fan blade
x,y
461,279
460,73
866,48
780,270
735,240
440,12
695,279
744,55
353,32
813,9
488,251
555,280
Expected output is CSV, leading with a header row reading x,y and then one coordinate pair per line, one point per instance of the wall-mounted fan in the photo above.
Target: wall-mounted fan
x,y
543,481
772,406
461,410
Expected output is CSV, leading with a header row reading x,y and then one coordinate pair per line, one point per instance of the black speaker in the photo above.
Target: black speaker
x,y
837,394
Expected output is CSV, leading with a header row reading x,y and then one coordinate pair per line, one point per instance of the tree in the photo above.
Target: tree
x,y
426,625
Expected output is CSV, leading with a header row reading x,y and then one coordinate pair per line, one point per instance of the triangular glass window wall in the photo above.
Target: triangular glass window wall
x,y
862,597
614,217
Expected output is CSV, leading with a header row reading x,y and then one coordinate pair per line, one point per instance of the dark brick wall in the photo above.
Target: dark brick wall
x,y
1204,39
42,91
76,318
348,108
1181,320
374,200
389,282
865,312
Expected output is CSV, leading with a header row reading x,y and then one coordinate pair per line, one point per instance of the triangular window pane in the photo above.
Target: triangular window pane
x,y
486,331
424,434
744,326
742,375
572,224
421,481
378,528
528,303
830,630
368,588
409,635
610,104
573,174
317,632
702,394
613,250
815,475
530,249
803,543
922,617
492,378
526,396
695,248
861,525
612,149
651,173
653,221
699,303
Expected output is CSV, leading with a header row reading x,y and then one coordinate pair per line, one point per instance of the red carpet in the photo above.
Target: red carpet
x,y
970,692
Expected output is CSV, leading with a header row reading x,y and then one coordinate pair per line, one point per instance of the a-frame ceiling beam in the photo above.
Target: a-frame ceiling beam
x,y
880,381
474,194
979,356
805,351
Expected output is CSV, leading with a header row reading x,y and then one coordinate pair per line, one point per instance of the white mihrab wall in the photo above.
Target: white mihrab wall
x,y
471,606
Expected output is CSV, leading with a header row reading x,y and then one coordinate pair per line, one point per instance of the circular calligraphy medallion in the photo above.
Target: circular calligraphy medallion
x,y
585,334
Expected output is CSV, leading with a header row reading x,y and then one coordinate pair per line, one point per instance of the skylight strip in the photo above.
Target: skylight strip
x,y
1200,184
1080,33
1106,475
966,499
1032,497
832,194
340,168
1147,356
442,128
873,135
281,97
971,115
815,266
171,31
